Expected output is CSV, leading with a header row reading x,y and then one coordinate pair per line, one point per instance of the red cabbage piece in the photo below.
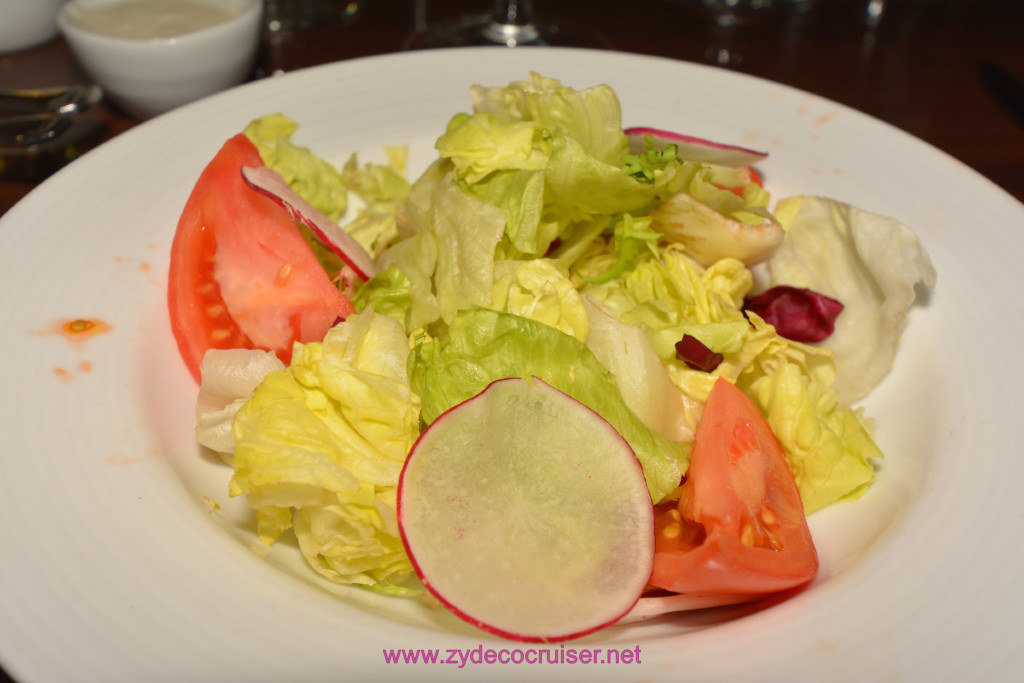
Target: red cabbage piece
x,y
796,313
695,354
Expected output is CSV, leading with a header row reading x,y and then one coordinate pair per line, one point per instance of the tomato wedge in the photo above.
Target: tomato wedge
x,y
739,526
241,273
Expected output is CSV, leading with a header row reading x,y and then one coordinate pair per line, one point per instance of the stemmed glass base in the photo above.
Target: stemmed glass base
x,y
511,23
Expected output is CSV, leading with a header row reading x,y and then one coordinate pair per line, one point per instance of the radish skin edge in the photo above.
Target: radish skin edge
x,y
527,514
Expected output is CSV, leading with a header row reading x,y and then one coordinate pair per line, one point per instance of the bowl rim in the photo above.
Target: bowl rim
x,y
251,12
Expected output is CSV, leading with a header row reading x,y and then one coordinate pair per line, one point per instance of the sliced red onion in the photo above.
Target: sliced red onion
x,y
696,355
693,148
269,182
796,313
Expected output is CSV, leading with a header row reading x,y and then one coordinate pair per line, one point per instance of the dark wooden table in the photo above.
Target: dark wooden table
x,y
917,65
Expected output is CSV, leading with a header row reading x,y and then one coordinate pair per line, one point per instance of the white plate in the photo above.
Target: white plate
x,y
116,566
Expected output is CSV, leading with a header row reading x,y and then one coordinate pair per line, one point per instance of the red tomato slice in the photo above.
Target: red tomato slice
x,y
739,526
241,274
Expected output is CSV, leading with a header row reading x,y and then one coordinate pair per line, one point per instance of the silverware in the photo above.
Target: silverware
x,y
30,116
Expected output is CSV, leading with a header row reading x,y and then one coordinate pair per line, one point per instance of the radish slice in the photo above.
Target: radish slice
x,y
267,181
692,148
656,606
527,515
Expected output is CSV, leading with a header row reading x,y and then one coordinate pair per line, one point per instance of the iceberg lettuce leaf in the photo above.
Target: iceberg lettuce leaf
x,y
538,290
479,145
828,445
870,264
593,116
319,448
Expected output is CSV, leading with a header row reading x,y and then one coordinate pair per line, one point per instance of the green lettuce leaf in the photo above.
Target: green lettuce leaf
x,y
539,290
640,375
319,448
389,293
479,145
593,116
828,445
312,177
448,265
482,346
520,196
415,260
670,295
552,158
378,183
382,188
581,185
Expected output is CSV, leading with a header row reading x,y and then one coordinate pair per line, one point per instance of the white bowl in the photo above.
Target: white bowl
x,y
148,76
24,23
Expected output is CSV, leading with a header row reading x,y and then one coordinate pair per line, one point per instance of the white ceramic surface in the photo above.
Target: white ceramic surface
x,y
150,76
125,560
26,23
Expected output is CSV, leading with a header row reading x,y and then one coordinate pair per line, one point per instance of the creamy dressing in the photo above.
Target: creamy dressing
x,y
155,18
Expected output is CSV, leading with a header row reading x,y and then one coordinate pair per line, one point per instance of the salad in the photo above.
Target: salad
x,y
348,326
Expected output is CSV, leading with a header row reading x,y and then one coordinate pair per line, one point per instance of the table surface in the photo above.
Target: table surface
x,y
916,65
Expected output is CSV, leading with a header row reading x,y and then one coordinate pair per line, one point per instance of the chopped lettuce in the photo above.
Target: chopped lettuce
x,y
870,264
380,187
535,245
480,145
389,293
377,183
828,445
551,158
316,180
319,448
640,375
229,376
450,266
592,116
415,259
482,346
539,290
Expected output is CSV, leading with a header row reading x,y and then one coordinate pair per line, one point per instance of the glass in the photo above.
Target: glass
x,y
732,21
510,22
290,15
734,12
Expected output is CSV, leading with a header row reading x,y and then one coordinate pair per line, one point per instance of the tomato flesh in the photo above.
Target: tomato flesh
x,y
241,273
739,525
